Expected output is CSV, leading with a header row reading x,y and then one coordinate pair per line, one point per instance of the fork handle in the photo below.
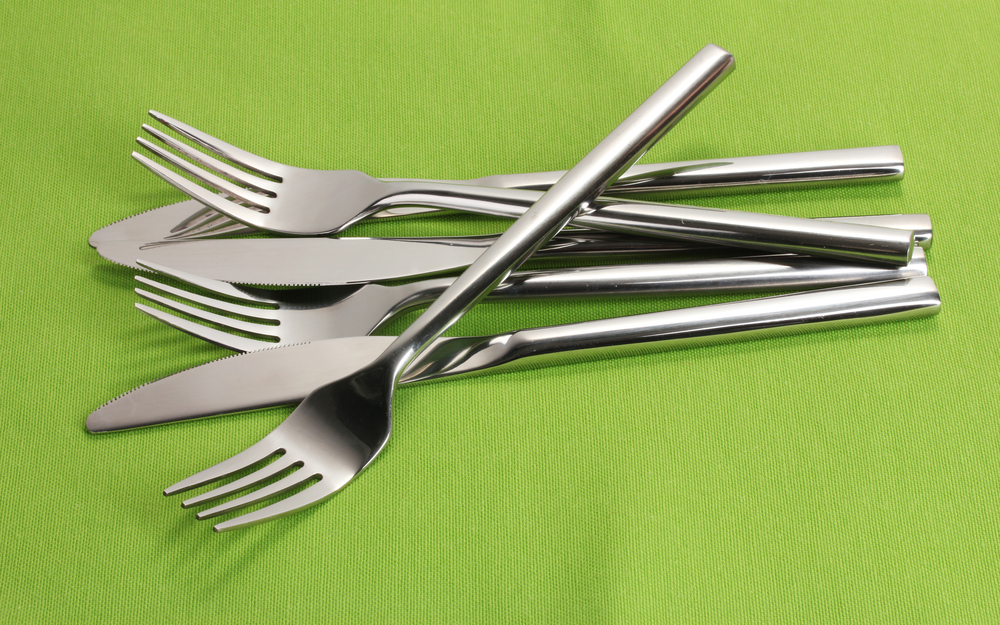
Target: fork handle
x,y
678,329
728,175
774,172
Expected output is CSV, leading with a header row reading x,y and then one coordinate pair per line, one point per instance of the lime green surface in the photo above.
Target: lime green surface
x,y
851,476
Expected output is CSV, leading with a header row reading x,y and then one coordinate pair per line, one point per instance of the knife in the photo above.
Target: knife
x,y
348,260
156,225
285,375
352,260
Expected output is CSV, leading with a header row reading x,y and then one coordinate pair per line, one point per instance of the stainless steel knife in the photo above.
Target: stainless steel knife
x,y
351,260
285,375
346,260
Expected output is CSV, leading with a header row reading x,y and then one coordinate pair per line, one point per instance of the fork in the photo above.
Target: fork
x,y
338,430
705,177
317,313
293,200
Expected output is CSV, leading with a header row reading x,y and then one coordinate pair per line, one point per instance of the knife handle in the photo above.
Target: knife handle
x,y
714,226
718,275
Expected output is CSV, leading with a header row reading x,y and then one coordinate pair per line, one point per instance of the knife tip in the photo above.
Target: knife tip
x,y
95,424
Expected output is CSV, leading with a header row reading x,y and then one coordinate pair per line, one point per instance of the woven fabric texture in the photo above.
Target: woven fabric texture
x,y
838,477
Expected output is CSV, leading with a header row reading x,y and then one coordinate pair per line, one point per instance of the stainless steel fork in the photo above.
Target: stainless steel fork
x,y
293,200
317,313
340,428
682,179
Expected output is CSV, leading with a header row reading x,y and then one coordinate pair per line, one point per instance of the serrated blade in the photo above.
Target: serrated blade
x,y
299,262
156,223
271,377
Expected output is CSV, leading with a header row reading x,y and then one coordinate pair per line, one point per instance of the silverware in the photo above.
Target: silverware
x,y
163,222
744,173
325,261
285,375
683,179
158,224
292,200
341,427
314,314
352,260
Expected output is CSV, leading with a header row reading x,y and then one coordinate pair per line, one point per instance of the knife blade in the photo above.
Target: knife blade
x,y
297,262
285,375
348,260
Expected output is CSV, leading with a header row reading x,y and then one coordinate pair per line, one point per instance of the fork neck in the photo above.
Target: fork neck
x,y
477,199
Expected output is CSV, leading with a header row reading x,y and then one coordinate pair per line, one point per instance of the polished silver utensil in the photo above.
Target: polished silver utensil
x,y
348,260
342,426
716,176
313,314
160,223
292,200
285,375
683,179
352,260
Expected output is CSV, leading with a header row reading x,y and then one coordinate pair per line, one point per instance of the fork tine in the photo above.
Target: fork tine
x,y
243,483
213,286
211,302
204,315
283,485
239,156
234,210
205,333
195,220
308,497
205,177
206,221
219,224
249,180
211,220
265,447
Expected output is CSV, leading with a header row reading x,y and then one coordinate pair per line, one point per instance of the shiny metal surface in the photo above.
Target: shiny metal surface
x,y
165,221
919,223
285,375
292,200
824,167
339,428
756,231
314,314
158,225
349,260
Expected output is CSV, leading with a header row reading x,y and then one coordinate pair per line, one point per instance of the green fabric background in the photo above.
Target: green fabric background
x,y
848,476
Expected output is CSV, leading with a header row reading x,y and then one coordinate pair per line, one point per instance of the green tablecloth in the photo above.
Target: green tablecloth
x,y
848,476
